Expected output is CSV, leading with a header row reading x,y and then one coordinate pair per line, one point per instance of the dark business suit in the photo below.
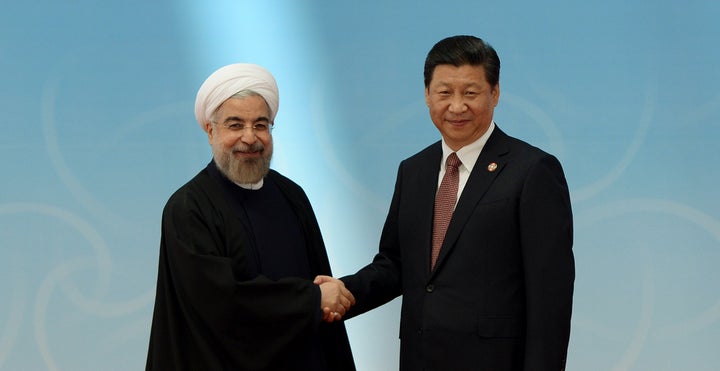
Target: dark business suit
x,y
500,296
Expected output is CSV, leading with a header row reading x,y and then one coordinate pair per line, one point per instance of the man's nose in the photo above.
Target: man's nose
x,y
457,104
248,135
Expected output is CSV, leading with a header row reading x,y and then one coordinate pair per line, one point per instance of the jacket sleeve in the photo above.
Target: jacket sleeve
x,y
380,281
546,240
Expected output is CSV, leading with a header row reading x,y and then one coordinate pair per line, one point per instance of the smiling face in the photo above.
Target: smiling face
x,y
461,103
242,155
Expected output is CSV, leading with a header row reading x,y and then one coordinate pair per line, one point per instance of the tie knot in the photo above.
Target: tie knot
x,y
453,161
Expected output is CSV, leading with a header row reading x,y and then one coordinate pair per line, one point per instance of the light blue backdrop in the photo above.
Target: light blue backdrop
x,y
98,130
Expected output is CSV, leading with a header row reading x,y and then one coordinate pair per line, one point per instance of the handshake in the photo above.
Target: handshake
x,y
336,299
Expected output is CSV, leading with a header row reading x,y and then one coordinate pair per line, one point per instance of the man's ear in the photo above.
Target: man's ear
x,y
496,94
209,129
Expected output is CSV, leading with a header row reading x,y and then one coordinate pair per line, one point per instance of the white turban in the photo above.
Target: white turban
x,y
229,80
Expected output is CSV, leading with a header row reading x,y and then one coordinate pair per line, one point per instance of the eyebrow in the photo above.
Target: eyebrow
x,y
471,84
236,118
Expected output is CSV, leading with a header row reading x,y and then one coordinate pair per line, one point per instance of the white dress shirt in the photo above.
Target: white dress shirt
x,y
468,155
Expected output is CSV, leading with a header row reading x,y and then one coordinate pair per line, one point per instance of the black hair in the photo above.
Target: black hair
x,y
461,50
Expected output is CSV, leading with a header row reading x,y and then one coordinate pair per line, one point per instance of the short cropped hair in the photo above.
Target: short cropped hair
x,y
463,50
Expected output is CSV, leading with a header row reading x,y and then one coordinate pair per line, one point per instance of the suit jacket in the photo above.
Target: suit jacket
x,y
213,311
500,296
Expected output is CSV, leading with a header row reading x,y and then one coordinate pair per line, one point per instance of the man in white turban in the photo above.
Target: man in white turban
x,y
243,158
240,247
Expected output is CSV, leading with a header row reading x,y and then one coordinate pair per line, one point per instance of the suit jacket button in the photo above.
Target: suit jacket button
x,y
430,288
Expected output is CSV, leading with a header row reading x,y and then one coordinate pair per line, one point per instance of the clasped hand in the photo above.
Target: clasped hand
x,y
336,299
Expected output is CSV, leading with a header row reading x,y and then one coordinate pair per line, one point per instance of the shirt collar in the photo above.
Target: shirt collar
x,y
469,154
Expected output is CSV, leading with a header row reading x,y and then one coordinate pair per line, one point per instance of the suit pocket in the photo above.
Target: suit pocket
x,y
500,327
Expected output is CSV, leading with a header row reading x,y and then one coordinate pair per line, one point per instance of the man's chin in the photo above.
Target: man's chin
x,y
247,171
248,176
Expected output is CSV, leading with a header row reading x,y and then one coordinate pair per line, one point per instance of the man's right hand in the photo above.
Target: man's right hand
x,y
336,299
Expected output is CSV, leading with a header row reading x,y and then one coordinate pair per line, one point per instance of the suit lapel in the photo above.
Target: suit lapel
x,y
480,180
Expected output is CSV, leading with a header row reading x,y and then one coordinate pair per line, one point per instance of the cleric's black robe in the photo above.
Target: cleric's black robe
x,y
213,311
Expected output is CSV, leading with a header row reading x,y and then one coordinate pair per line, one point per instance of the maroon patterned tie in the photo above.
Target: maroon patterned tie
x,y
444,204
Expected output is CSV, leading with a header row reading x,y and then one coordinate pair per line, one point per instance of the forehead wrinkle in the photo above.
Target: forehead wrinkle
x,y
240,109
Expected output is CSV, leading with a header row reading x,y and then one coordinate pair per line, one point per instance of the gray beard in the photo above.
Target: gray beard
x,y
243,171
